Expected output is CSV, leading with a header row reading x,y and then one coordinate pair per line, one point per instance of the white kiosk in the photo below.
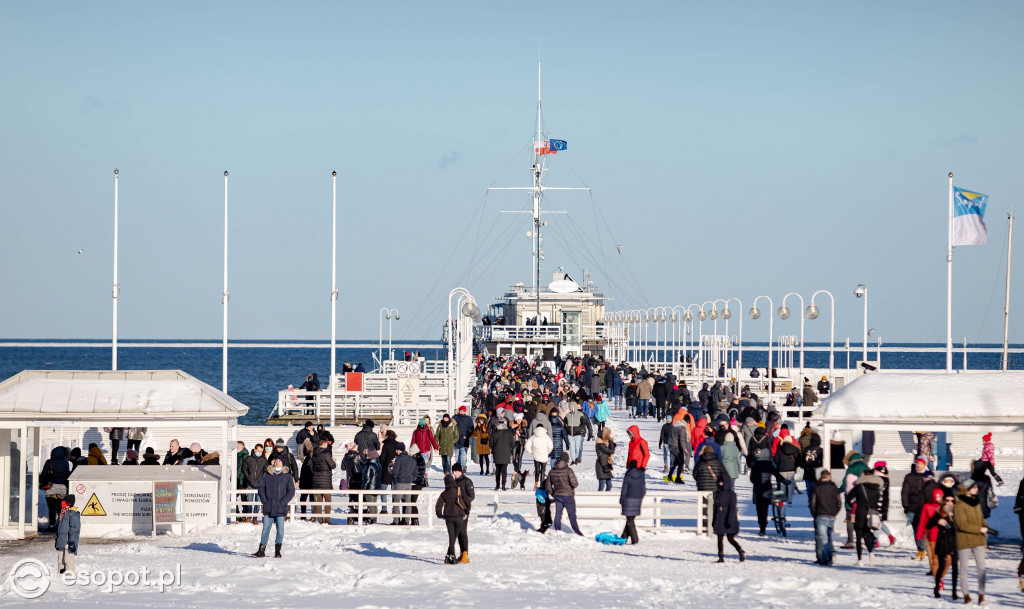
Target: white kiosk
x,y
43,409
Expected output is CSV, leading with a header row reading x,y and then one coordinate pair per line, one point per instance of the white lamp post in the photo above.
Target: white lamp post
x,y
225,296
862,291
755,313
334,285
784,314
116,292
812,312
466,309
726,314
384,313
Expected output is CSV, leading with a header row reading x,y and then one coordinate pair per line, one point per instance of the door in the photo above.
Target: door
x,y
572,332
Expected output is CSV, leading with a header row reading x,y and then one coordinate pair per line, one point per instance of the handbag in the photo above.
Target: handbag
x,y
874,519
46,478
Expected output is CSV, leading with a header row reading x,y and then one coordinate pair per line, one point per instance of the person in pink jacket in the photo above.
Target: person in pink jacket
x,y
423,438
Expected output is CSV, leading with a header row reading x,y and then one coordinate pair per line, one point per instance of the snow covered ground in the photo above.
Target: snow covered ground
x,y
512,565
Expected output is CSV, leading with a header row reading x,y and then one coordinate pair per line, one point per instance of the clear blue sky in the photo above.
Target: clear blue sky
x,y
733,149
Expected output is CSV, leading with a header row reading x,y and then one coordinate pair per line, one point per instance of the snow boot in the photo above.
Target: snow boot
x,y
967,599
261,552
679,480
981,599
277,550
464,558
449,559
743,555
920,555
720,559
892,541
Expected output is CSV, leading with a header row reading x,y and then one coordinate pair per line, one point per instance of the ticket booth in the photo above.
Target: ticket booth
x,y
40,410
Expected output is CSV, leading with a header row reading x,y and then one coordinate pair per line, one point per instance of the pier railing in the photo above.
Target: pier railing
x,y
549,333
684,509
378,399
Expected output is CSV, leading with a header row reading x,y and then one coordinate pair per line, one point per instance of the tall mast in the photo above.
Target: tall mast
x,y
1006,307
538,175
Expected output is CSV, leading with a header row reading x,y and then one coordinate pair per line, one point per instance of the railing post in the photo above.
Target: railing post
x,y
359,520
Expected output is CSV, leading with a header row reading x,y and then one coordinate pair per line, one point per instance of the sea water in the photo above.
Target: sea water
x,y
258,371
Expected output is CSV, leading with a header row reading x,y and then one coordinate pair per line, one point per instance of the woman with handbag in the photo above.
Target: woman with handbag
x,y
452,507
867,519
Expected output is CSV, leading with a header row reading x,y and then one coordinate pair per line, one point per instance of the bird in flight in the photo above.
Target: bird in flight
x,y
618,248
81,251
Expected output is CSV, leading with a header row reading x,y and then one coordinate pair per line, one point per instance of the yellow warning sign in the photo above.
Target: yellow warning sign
x,y
93,507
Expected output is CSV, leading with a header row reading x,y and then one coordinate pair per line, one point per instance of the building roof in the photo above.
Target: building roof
x,y
953,399
111,395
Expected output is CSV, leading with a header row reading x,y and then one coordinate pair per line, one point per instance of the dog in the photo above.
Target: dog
x,y
519,479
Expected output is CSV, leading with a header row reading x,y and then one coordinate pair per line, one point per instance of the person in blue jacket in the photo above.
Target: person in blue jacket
x,y
631,498
68,527
276,490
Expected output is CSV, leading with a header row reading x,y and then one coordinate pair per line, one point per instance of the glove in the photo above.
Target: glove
x,y
73,548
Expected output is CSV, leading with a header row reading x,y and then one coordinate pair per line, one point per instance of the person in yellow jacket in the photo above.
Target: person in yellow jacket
x,y
971,530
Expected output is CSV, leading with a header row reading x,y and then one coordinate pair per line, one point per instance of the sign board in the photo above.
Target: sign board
x,y
408,391
168,504
353,381
564,286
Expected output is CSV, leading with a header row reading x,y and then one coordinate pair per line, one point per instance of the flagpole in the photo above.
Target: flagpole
x,y
226,295
949,281
1006,307
116,292
334,278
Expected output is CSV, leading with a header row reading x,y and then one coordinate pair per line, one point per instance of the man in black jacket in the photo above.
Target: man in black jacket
x,y
253,468
403,474
825,503
913,497
464,423
366,440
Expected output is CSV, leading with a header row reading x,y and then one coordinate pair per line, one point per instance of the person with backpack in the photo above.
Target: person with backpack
x,y
786,457
69,526
561,487
882,471
811,458
53,481
631,498
453,508
867,493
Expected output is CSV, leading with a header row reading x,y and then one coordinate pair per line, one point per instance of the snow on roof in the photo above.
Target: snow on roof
x,y
110,394
992,397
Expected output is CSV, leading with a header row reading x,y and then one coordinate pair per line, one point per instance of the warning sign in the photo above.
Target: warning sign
x,y
93,507
408,391
80,489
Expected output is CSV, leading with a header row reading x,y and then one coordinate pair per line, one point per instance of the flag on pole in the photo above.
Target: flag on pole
x,y
556,145
969,217
550,146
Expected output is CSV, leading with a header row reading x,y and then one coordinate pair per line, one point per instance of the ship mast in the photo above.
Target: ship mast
x,y
538,175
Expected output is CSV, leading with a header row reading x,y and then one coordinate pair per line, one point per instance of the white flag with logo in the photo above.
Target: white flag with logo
x,y
969,217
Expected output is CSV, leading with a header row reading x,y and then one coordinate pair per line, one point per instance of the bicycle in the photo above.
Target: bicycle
x,y
778,501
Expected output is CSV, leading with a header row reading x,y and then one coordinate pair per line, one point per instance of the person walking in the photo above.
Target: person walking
x,y
276,490
971,530
539,445
913,499
866,493
678,447
605,449
945,542
631,498
447,436
824,503
53,481
483,444
638,450
403,474
502,439
453,508
69,526
321,464
465,426
561,487
725,521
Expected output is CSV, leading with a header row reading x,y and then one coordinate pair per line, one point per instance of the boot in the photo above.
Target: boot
x,y
261,552
920,555
937,591
679,480
871,558
967,599
464,558
449,559
743,555
981,598
277,550
892,541
721,558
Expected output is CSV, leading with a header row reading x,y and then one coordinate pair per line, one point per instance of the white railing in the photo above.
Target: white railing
x,y
551,332
677,509
378,399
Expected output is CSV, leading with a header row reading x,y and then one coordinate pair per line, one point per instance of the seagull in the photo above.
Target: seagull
x,y
872,331
81,251
618,248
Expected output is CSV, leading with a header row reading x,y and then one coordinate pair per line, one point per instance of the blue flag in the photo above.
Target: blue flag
x,y
558,144
969,217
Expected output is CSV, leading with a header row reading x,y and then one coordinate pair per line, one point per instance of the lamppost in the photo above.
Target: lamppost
x,y
812,312
688,318
385,313
390,319
467,308
862,291
726,314
661,316
755,313
784,314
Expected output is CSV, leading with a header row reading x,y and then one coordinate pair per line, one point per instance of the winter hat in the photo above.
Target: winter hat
x,y
921,460
70,500
132,454
462,408
351,446
368,423
987,437
422,422
445,416
280,443
968,484
414,450
519,416
150,451
760,424
456,467
400,446
195,447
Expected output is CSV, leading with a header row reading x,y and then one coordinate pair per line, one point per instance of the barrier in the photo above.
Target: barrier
x,y
677,509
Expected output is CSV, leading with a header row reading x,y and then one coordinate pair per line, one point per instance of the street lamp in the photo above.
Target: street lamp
x,y
726,314
755,313
812,312
862,291
467,307
784,314
385,313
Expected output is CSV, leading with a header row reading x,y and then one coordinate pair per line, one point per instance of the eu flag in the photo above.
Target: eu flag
x,y
558,145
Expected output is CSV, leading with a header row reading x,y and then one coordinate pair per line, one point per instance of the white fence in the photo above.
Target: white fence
x,y
678,509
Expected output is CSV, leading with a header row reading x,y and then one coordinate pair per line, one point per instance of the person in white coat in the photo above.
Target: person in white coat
x,y
540,446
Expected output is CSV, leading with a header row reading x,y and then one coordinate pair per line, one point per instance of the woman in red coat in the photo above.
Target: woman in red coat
x,y
638,450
